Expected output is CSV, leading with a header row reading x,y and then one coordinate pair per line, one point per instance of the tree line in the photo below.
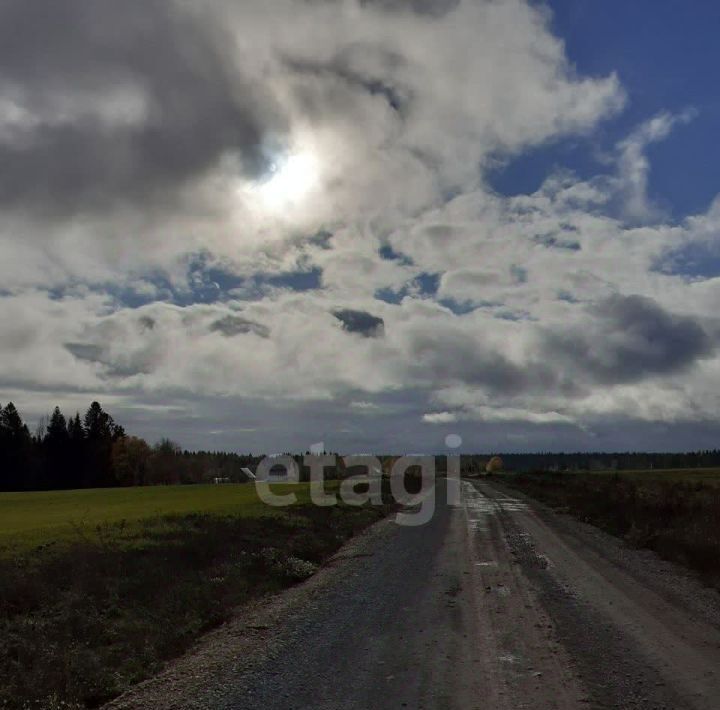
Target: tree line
x,y
93,451
589,461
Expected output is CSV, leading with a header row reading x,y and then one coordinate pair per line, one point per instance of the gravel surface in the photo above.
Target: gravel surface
x,y
497,604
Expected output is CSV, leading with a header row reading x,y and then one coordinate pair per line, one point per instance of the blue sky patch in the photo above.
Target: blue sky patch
x,y
664,53
424,286
695,260
389,254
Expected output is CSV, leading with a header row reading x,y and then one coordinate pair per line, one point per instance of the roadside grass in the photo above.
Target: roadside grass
x,y
143,575
677,518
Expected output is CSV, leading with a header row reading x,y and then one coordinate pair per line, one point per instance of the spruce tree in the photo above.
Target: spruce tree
x,y
76,430
15,450
56,447
57,429
100,432
76,435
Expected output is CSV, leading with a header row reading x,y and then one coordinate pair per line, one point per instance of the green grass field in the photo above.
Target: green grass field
x,y
89,606
32,519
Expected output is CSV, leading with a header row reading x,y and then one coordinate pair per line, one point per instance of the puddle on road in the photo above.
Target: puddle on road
x,y
480,508
508,658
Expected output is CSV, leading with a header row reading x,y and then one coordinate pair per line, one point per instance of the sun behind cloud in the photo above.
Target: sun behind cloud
x,y
290,182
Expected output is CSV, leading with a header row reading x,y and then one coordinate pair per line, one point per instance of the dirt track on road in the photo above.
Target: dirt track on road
x,y
498,603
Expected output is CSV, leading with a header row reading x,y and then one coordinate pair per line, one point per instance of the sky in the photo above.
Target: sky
x,y
370,223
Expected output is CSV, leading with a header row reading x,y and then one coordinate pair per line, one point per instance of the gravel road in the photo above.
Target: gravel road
x,y
498,603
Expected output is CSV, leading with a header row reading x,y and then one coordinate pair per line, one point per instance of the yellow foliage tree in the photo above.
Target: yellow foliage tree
x,y
494,465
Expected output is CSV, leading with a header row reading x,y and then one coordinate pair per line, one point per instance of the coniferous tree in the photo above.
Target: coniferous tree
x,y
15,452
57,429
100,432
76,430
5,474
13,422
56,447
97,423
76,435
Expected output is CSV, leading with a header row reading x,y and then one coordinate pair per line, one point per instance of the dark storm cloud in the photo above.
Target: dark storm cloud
x,y
59,61
139,363
630,338
231,326
361,322
85,351
456,357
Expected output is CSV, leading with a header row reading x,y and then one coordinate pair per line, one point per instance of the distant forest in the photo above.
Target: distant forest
x,y
93,451
620,461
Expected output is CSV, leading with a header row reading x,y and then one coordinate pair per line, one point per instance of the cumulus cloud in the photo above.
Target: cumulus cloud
x,y
634,166
440,417
104,103
288,203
